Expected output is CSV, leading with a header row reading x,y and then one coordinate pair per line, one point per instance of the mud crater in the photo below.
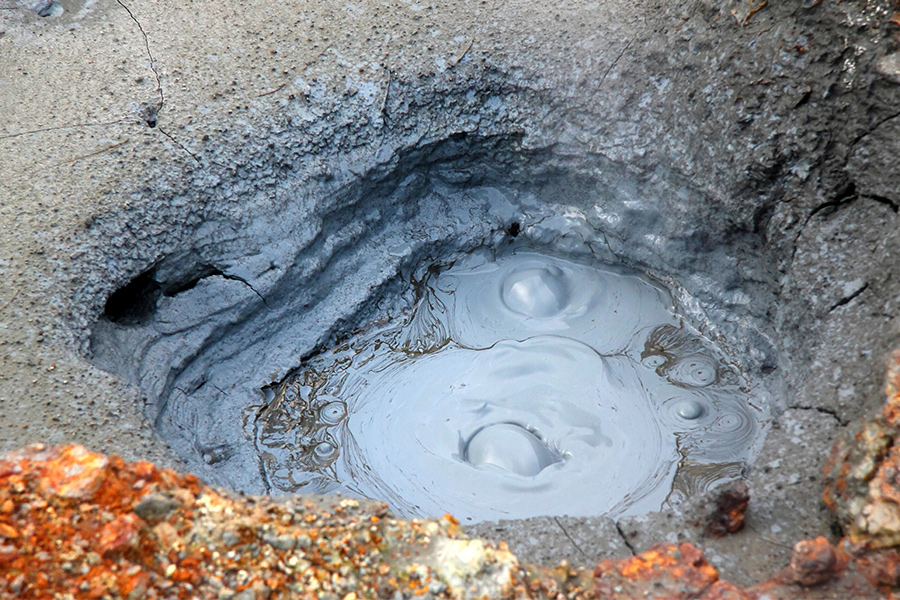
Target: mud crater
x,y
265,369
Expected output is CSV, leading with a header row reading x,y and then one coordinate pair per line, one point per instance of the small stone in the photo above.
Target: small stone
x,y
8,531
230,538
17,584
279,542
882,567
154,508
730,503
166,534
813,562
74,473
667,571
889,67
119,534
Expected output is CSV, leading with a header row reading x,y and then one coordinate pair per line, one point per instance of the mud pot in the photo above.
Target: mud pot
x,y
577,293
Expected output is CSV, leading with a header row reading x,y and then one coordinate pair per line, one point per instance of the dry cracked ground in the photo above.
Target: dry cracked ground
x,y
248,149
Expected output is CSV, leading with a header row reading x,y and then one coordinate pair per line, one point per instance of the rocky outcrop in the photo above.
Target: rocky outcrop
x,y
76,524
863,471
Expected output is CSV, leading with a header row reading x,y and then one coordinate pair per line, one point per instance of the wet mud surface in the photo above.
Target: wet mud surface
x,y
214,172
515,378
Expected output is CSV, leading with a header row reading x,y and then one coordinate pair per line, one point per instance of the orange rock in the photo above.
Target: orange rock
x,y
844,583
668,571
882,567
120,534
722,590
891,411
731,503
8,531
863,474
73,472
814,562
72,526
8,555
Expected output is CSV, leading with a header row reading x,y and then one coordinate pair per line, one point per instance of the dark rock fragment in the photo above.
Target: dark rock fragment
x,y
814,562
729,505
154,508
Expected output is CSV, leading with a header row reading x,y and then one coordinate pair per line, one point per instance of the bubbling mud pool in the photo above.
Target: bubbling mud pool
x,y
520,384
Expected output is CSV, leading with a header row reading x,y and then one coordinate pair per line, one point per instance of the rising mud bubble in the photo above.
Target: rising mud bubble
x,y
520,384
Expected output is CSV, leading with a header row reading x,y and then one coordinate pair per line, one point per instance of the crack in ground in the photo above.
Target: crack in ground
x,y
61,127
182,146
844,195
152,116
848,195
848,299
622,535
151,119
862,136
259,454
887,201
566,533
10,301
825,411
245,282
614,63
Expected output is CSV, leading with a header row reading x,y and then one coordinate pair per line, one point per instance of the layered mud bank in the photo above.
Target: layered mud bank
x,y
255,260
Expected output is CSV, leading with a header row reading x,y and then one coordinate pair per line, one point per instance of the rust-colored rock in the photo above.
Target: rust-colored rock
x,y
820,570
863,474
814,562
77,474
722,590
891,411
81,525
74,524
881,567
730,504
120,534
669,571
69,529
851,585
